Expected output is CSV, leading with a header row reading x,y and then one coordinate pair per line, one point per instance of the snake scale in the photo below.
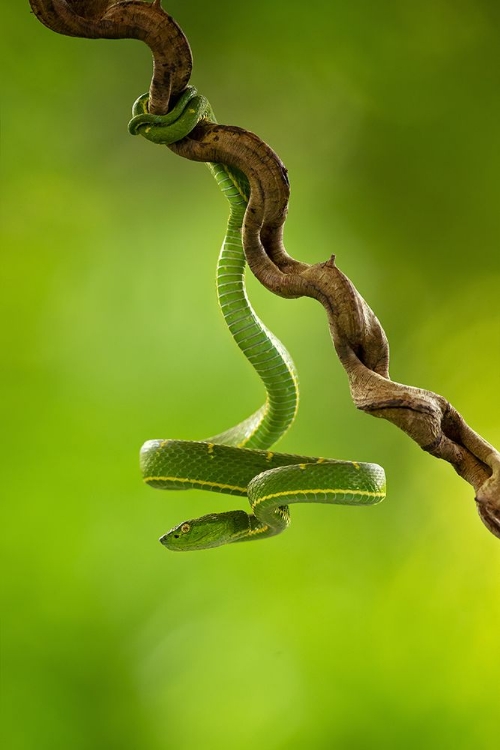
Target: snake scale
x,y
240,461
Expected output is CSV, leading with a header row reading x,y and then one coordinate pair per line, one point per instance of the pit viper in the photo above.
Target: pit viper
x,y
240,461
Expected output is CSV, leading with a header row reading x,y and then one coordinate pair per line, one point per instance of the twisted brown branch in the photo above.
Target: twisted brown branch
x,y
129,19
358,337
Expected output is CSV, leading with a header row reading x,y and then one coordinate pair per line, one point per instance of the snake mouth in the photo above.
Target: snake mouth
x,y
169,540
177,539
172,541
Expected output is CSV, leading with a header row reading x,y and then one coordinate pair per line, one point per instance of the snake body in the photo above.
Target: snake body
x,y
239,461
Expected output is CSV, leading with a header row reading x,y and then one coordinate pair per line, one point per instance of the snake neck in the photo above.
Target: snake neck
x,y
263,350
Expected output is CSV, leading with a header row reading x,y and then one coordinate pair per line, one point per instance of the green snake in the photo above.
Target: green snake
x,y
239,461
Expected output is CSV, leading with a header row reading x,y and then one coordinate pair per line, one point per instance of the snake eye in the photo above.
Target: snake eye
x,y
185,528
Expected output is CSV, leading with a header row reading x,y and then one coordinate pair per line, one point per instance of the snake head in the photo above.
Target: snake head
x,y
127,19
206,532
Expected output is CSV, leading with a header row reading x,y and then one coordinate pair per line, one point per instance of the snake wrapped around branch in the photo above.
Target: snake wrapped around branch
x,y
246,161
239,461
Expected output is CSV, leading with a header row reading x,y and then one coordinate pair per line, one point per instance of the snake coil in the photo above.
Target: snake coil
x,y
239,461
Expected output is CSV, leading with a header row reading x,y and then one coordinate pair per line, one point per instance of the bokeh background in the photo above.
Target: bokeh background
x,y
358,628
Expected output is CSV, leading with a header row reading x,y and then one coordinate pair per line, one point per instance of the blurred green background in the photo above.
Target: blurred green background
x,y
358,628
